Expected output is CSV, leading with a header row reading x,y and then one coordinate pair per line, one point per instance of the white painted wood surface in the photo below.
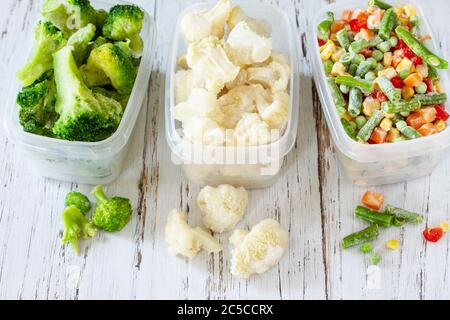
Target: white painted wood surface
x,y
312,199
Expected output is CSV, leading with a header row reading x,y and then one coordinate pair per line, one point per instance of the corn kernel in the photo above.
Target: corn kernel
x,y
407,92
423,70
392,244
370,104
328,51
326,45
413,80
333,37
338,69
392,135
386,124
389,115
347,116
405,64
438,86
387,59
410,11
445,226
388,73
399,10
440,125
337,54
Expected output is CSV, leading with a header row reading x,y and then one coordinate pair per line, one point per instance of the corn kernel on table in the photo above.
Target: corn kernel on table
x,y
313,200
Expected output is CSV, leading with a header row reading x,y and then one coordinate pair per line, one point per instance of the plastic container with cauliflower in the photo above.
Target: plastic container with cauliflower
x,y
252,166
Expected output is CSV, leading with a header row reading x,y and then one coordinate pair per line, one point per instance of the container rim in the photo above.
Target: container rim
x,y
286,141
349,147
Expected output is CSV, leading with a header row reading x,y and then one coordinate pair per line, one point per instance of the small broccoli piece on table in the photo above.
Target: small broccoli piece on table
x,y
76,226
37,106
124,22
55,12
83,114
48,40
111,214
78,200
80,42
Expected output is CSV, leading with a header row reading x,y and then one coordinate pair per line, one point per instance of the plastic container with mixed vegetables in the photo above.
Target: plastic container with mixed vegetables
x,y
383,79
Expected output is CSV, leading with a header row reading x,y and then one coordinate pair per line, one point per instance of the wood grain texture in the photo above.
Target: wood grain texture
x,y
313,199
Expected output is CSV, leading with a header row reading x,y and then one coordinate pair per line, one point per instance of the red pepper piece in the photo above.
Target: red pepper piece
x,y
357,24
321,42
433,234
397,82
367,53
429,83
381,96
441,113
416,60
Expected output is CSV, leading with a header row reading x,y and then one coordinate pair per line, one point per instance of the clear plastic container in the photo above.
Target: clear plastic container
x,y
83,162
376,164
251,167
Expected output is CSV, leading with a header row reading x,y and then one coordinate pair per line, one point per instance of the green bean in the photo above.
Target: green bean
x,y
342,37
433,74
358,45
385,46
431,98
379,4
328,66
420,49
377,55
379,218
325,25
388,89
401,106
408,216
355,83
341,111
365,67
378,68
358,58
408,132
376,40
352,69
370,76
366,131
360,121
387,24
354,102
348,128
346,58
363,236
336,94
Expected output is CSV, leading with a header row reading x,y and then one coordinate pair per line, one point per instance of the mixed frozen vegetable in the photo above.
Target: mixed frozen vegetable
x,y
382,76
78,79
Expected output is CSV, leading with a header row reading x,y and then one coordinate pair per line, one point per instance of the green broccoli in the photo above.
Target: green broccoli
x,y
94,77
76,226
49,39
124,22
101,18
117,63
84,115
37,106
55,12
80,41
111,214
78,200
121,98
81,14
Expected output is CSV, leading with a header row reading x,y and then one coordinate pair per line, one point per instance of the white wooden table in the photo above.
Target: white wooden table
x,y
313,200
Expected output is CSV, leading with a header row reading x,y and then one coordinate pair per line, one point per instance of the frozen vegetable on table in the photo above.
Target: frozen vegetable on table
x,y
381,74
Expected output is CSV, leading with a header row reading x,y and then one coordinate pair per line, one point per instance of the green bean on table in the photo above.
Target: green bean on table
x,y
401,106
380,218
360,237
408,216
366,131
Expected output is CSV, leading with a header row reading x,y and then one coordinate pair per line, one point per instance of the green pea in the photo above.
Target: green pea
x,y
328,66
403,74
421,88
393,41
385,46
405,114
341,111
370,76
360,121
366,248
344,89
375,259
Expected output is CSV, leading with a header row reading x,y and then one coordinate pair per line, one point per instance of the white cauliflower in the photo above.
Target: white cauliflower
x,y
257,250
276,115
252,131
242,99
240,80
274,76
205,131
209,61
248,45
201,24
222,207
185,81
237,15
185,240
201,103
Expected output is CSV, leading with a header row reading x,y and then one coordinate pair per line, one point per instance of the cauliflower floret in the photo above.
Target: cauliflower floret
x,y
185,240
205,131
209,61
259,250
276,114
240,80
248,45
185,81
274,76
201,24
237,15
242,99
201,103
222,207
252,131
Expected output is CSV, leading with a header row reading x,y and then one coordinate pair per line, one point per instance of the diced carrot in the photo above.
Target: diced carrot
x,y
428,129
366,34
428,114
415,120
337,25
347,15
373,200
413,80
378,136
360,15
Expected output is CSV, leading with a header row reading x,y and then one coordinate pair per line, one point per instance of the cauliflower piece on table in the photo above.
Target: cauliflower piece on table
x,y
204,131
185,81
257,250
209,61
274,76
276,115
222,207
237,15
201,24
251,130
248,45
242,99
185,240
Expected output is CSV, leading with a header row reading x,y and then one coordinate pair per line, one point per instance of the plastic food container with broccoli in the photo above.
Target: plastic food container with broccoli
x,y
232,91
378,75
81,88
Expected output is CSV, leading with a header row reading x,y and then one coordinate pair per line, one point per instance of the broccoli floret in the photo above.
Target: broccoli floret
x,y
78,200
48,39
81,14
111,214
117,63
80,41
84,115
56,12
101,18
94,77
37,106
76,226
121,98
